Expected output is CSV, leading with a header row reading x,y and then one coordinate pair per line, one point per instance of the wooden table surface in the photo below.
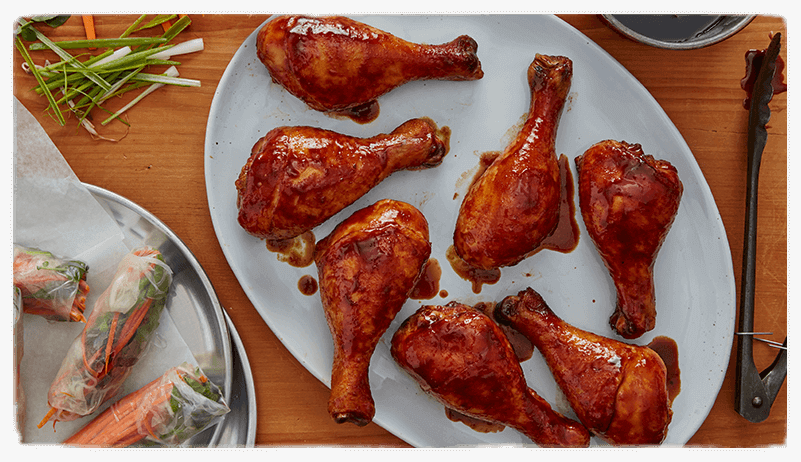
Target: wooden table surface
x,y
159,165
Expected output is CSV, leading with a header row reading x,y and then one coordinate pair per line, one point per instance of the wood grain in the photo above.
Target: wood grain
x,y
159,165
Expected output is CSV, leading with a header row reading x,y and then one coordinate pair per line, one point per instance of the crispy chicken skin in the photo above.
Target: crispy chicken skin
x,y
628,201
298,177
514,205
366,267
617,390
336,64
463,359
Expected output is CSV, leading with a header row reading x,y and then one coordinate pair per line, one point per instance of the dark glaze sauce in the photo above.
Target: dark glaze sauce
x,y
362,114
753,62
566,235
298,251
481,426
667,349
307,285
477,276
427,287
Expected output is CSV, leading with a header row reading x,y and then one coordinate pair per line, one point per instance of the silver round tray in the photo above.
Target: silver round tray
x,y
199,318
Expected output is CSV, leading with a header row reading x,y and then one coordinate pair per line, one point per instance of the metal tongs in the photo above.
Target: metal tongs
x,y
756,391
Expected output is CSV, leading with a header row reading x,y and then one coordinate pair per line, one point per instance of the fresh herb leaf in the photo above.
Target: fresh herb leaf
x,y
24,29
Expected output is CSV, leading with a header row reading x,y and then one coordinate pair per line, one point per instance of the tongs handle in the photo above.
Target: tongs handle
x,y
756,391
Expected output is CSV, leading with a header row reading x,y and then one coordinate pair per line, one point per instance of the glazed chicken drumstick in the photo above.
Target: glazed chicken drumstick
x,y
298,177
339,65
628,201
462,358
367,267
514,204
618,391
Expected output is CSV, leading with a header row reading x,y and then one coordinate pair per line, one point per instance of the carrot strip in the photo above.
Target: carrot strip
x,y
118,425
77,316
110,342
132,324
89,26
47,417
87,364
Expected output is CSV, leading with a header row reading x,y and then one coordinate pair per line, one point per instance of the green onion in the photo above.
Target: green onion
x,y
35,72
190,46
172,72
157,21
101,43
84,82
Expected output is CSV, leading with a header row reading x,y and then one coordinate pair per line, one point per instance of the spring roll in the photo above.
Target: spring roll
x,y
51,286
114,338
166,412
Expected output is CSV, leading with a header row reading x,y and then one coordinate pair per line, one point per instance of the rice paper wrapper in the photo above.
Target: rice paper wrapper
x,y
166,412
190,411
51,286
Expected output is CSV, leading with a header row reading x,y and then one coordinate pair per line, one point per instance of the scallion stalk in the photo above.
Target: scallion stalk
x,y
182,48
50,98
100,43
171,72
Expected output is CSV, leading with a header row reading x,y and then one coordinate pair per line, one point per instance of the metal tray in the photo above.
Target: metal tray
x,y
199,318
239,427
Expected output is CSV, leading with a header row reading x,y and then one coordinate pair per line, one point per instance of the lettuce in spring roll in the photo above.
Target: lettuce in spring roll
x,y
114,338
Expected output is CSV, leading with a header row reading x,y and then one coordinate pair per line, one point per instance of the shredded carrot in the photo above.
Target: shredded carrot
x,y
110,342
77,316
132,324
47,417
119,425
79,305
89,26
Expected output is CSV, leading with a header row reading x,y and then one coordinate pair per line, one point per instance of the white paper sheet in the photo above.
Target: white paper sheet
x,y
53,211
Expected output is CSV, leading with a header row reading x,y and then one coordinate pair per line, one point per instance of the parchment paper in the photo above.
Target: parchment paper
x,y
53,211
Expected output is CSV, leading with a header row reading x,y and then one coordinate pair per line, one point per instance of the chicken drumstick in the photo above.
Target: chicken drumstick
x,y
514,205
339,65
617,390
298,177
628,202
463,359
367,267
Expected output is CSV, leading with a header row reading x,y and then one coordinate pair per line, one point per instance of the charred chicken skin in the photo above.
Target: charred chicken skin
x,y
514,205
628,202
617,390
366,267
463,359
298,177
339,65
